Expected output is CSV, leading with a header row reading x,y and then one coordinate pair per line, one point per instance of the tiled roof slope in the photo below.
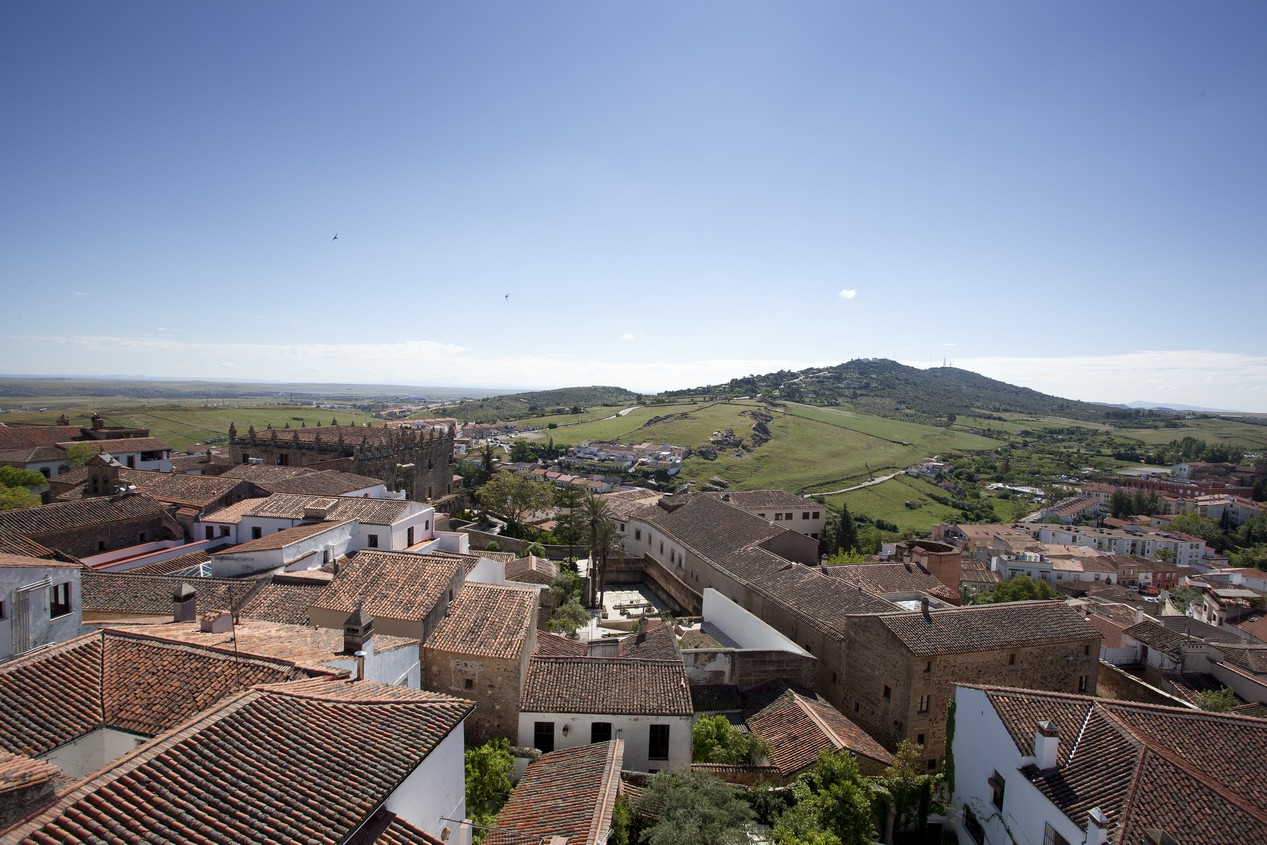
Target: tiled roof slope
x,y
657,642
1155,636
488,621
16,544
386,828
757,499
532,569
711,528
127,593
395,585
18,772
51,696
553,645
1201,777
12,561
82,513
988,627
121,445
884,578
798,726
151,685
1110,631
295,505
609,685
568,793
280,763
326,482
22,436
283,601
177,488
1252,659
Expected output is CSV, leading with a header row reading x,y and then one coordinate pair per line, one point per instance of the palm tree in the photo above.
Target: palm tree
x,y
610,543
598,519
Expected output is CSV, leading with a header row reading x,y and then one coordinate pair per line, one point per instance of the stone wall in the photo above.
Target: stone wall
x,y
494,686
1119,685
111,536
747,668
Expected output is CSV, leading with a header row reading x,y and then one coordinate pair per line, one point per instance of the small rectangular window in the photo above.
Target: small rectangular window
x,y
923,704
1011,659
888,693
997,785
778,517
817,514
919,739
601,732
257,533
372,540
1083,682
469,684
787,516
543,736
4,610
59,599
1052,837
658,742
805,515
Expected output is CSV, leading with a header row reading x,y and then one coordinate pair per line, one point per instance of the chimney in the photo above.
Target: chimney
x,y
358,630
642,625
923,608
185,603
360,666
216,622
97,422
1046,744
1097,827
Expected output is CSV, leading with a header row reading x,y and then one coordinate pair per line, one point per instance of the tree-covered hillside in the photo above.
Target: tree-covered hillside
x,y
889,389
513,406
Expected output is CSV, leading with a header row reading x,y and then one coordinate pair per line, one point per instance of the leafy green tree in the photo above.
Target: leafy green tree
x,y
566,586
488,770
904,789
1219,700
715,740
18,488
511,495
82,453
846,533
691,808
535,550
833,805
571,527
567,617
842,558
523,453
1018,588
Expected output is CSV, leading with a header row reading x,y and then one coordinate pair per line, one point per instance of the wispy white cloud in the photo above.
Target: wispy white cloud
x,y
81,293
627,336
848,293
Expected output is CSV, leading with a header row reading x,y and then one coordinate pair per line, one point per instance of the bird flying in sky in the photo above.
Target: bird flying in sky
x,y
336,236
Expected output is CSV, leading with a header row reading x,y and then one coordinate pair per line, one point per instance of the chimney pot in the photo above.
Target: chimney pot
x,y
1097,827
1046,744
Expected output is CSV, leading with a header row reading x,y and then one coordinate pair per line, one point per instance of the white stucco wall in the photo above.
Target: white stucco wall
x,y
634,730
43,629
743,627
399,666
305,553
90,752
983,746
436,790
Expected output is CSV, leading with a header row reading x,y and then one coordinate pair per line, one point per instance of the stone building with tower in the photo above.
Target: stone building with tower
x,y
416,461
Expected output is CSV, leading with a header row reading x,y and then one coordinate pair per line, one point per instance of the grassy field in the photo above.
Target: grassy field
x,y
182,426
888,499
1231,432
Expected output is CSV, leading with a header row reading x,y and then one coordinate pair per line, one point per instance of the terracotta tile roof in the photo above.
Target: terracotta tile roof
x,y
393,585
532,570
798,726
892,578
33,454
625,504
122,445
716,698
296,505
51,696
173,488
1156,636
16,544
1110,631
19,772
657,642
174,564
311,649
263,473
606,685
386,828
976,572
771,499
284,601
127,593
568,793
232,514
552,645
488,621
1251,658
711,528
1188,772
323,482
84,513
12,561
281,763
281,539
22,436
988,627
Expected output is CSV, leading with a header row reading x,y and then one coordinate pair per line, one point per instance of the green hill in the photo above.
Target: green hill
x,y
540,403
889,389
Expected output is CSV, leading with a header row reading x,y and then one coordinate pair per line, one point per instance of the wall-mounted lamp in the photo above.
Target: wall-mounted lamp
x,y
565,730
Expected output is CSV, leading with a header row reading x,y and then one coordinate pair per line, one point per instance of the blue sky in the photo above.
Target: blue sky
x,y
1071,196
